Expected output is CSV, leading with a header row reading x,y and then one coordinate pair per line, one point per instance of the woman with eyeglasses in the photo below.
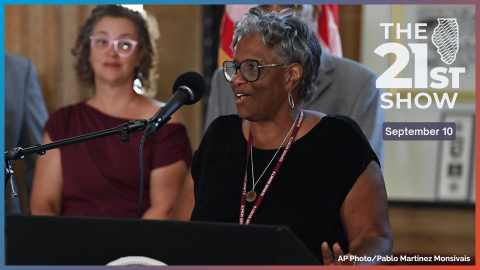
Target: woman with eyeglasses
x,y
114,55
276,163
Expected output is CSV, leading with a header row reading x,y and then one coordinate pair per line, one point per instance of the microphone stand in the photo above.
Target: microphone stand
x,y
124,130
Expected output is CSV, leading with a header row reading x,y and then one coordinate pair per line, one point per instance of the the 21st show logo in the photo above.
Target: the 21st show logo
x,y
445,38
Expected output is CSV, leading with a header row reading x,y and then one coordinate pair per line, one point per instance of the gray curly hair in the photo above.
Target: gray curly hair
x,y
297,43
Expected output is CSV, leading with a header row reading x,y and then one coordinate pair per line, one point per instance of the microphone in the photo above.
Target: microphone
x,y
188,89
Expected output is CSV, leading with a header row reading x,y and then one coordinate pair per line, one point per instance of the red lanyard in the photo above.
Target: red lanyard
x,y
272,176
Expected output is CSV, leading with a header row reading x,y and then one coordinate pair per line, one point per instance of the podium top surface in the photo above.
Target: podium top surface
x,y
47,240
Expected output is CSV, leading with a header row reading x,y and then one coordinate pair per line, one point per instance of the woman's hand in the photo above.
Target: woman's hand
x,y
337,257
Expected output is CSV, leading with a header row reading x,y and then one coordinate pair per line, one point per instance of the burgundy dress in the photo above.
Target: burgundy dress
x,y
102,177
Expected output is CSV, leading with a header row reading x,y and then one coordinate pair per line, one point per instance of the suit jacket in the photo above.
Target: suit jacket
x,y
343,87
25,117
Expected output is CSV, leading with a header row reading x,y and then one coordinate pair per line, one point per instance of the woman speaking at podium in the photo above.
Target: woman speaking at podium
x,y
275,163
114,55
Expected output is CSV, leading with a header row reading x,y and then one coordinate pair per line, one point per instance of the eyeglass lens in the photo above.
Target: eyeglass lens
x,y
122,47
248,68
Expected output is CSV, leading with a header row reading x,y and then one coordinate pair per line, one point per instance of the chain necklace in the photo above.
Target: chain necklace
x,y
252,195
117,113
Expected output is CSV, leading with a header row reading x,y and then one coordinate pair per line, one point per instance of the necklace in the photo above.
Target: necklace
x,y
272,176
117,113
252,195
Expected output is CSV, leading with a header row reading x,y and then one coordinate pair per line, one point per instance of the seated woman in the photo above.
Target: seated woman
x,y
101,177
274,163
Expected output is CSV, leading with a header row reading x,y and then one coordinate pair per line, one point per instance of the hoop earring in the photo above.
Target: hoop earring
x,y
290,100
137,84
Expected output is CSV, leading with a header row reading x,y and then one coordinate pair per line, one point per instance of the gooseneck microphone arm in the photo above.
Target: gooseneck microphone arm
x,y
18,153
124,130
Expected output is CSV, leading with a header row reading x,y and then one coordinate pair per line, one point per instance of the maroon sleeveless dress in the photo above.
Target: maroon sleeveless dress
x,y
102,177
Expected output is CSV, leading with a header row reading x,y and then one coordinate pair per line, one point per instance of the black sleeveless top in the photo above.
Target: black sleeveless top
x,y
308,191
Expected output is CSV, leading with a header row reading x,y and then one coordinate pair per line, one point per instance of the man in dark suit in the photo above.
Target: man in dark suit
x,y
25,117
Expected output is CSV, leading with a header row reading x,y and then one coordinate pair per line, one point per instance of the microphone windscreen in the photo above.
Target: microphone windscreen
x,y
195,82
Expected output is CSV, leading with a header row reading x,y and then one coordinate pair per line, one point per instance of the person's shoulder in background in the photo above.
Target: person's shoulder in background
x,y
25,117
349,88
25,109
347,71
16,61
220,100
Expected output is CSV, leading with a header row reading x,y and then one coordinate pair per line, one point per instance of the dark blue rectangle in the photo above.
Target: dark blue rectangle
x,y
419,131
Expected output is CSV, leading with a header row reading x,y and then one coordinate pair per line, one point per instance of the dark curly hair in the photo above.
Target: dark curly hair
x,y
81,51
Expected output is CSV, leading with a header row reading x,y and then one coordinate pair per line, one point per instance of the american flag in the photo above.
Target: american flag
x,y
326,27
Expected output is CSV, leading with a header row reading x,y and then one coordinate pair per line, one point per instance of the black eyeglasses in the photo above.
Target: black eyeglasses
x,y
250,70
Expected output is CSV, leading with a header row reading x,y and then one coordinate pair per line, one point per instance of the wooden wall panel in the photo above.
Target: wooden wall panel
x,y
179,51
46,34
427,231
350,20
